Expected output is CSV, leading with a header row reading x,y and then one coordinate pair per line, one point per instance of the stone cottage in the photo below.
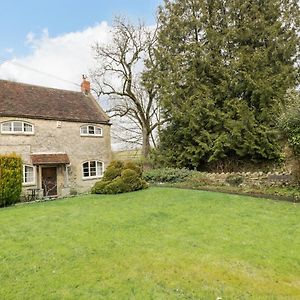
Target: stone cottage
x,y
62,136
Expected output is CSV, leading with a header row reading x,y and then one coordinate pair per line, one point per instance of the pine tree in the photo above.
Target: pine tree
x,y
224,68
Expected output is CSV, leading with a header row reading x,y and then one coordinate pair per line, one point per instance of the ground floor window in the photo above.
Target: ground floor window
x,y
92,169
28,175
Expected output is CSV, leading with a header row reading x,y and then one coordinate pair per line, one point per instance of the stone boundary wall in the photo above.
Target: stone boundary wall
x,y
251,179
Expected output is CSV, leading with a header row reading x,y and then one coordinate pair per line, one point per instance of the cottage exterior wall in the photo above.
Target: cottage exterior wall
x,y
49,138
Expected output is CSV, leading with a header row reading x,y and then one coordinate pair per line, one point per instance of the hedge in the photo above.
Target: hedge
x,y
170,175
10,179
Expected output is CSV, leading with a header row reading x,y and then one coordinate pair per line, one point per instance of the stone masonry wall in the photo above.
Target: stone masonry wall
x,y
49,137
252,179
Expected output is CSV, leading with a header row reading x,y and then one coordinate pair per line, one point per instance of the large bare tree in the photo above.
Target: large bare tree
x,y
120,76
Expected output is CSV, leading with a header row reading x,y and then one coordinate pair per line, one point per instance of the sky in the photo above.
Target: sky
x,y
56,36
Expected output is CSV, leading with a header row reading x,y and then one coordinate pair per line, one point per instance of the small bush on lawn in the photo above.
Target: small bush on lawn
x,y
113,170
120,177
133,180
117,186
134,166
99,187
167,175
10,179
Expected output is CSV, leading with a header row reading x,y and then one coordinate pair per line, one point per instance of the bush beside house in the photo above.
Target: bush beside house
x,y
120,177
10,179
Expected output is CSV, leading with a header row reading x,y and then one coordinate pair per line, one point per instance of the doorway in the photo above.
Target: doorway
x,y
49,181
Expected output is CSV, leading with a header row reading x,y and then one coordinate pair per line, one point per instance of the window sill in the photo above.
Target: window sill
x,y
91,178
17,133
91,135
27,184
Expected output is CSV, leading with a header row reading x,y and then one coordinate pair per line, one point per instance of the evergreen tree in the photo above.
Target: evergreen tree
x,y
289,121
224,68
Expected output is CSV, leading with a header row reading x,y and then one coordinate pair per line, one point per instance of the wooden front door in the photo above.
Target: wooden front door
x,y
49,181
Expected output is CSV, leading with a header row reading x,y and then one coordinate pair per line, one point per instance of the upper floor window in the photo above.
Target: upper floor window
x,y
90,130
92,169
16,127
28,175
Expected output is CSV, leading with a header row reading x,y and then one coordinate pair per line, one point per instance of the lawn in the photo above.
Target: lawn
x,y
159,243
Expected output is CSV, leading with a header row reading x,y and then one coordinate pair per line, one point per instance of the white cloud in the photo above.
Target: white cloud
x,y
66,56
30,38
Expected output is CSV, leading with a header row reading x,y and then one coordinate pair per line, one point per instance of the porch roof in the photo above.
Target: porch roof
x,y
50,159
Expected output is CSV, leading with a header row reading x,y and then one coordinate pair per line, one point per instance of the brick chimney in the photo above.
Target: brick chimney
x,y
85,85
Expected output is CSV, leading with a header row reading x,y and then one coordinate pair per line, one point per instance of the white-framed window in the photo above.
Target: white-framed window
x,y
90,130
92,169
17,127
28,175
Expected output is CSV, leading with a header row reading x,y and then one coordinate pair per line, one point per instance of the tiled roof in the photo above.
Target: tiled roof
x,y
50,159
30,101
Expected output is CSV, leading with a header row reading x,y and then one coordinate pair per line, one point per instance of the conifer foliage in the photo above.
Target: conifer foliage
x,y
289,122
10,179
224,67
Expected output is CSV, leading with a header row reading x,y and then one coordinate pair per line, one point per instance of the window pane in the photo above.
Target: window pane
x,y
98,131
91,130
85,168
18,126
99,168
92,168
93,164
83,130
27,127
28,174
7,126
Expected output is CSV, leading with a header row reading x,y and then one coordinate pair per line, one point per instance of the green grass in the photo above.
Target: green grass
x,y
158,243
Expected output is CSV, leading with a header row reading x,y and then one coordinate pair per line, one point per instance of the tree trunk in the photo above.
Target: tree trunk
x,y
146,143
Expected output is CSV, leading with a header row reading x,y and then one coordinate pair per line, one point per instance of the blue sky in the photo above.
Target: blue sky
x,y
49,42
19,17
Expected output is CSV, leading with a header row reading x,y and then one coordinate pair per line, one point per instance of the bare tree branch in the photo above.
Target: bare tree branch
x,y
120,76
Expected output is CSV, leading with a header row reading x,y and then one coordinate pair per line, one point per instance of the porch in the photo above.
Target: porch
x,y
51,175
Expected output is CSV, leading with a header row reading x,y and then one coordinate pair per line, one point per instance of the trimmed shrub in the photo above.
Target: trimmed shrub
x,y
113,171
129,176
117,186
117,179
117,164
99,187
10,179
170,175
134,166
133,180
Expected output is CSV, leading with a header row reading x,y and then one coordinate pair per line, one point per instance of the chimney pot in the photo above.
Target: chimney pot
x,y
85,85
